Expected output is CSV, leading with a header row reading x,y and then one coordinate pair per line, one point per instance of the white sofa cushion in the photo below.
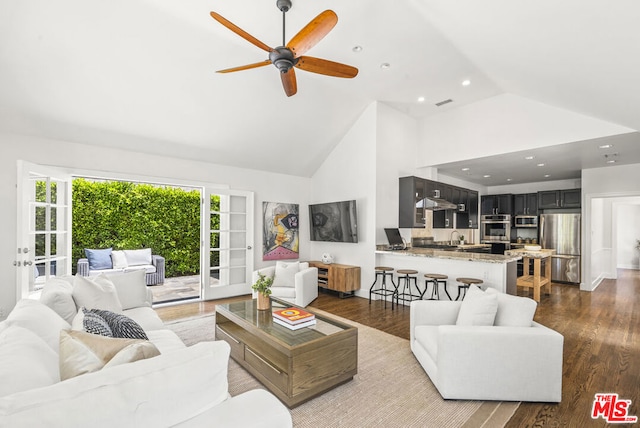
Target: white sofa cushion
x,y
26,361
40,319
165,340
82,353
514,311
131,288
477,308
146,317
285,274
160,391
57,294
96,293
138,257
119,259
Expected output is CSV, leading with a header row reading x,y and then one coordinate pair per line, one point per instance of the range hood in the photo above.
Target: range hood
x,y
436,203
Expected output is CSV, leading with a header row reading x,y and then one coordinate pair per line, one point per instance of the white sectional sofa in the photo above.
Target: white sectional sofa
x,y
487,347
182,386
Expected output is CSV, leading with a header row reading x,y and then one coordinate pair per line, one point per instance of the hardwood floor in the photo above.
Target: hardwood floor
x,y
601,332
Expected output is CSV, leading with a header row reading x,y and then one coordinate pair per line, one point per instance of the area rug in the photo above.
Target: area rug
x,y
390,390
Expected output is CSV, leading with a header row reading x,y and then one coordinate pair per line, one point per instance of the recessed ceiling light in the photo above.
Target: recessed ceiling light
x,y
547,175
420,99
508,179
540,164
611,161
529,157
465,169
357,49
605,146
466,82
385,66
486,176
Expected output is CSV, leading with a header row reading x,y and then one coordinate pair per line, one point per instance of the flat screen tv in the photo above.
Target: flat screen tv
x,y
334,221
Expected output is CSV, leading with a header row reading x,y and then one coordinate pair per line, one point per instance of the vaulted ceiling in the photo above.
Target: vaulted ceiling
x,y
141,73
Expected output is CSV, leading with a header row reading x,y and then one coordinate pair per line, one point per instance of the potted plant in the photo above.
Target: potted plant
x,y
263,287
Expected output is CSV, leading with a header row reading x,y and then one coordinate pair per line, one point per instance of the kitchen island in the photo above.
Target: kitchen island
x,y
495,270
539,278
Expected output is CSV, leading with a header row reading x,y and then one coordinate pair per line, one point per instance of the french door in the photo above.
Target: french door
x,y
227,243
43,226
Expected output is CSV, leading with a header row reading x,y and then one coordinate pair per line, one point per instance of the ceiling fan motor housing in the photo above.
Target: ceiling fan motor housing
x,y
282,58
283,5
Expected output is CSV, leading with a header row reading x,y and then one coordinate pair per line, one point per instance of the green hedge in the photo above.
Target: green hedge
x,y
127,216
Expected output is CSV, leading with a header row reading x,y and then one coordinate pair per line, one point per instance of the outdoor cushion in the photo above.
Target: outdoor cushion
x,y
119,259
138,257
99,259
142,268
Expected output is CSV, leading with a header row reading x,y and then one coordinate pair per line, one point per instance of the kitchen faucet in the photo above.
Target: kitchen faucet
x,y
451,237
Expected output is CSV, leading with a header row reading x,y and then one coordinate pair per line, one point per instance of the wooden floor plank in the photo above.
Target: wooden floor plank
x,y
601,332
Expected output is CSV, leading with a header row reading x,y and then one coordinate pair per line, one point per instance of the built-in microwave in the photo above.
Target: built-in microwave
x,y
525,221
495,228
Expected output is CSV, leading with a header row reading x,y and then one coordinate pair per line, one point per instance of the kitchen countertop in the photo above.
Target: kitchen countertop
x,y
533,254
452,255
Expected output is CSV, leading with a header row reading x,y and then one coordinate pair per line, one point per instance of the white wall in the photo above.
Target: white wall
x,y
348,173
502,124
601,186
627,233
267,187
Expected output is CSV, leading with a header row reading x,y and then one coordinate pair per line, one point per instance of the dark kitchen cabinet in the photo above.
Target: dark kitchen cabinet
x,y
569,198
467,218
525,204
411,202
443,219
496,204
473,209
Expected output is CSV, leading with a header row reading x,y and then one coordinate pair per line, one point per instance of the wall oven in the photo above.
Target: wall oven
x,y
495,228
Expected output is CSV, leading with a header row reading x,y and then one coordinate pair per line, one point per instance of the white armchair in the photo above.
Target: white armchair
x,y
293,282
517,362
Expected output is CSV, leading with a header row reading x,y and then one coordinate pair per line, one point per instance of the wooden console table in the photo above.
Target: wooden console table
x,y
345,279
538,279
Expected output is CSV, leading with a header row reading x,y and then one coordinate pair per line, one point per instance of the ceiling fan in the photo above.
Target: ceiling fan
x,y
291,55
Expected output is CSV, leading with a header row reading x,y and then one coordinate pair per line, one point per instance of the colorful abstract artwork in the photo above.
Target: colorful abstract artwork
x,y
280,234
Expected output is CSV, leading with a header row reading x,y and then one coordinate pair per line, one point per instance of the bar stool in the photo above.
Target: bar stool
x,y
382,272
466,283
407,275
435,279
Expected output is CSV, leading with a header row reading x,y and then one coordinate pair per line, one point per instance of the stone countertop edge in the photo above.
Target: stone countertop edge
x,y
452,255
533,254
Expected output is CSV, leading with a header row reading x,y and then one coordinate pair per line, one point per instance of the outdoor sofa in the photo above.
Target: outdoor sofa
x,y
111,261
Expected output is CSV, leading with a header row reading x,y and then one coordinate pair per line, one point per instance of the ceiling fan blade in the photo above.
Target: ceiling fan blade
x,y
326,67
239,31
312,33
289,82
245,67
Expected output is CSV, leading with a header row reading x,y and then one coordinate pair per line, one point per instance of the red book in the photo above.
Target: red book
x,y
293,315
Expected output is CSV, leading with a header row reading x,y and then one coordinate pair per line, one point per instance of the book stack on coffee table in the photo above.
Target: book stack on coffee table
x,y
294,318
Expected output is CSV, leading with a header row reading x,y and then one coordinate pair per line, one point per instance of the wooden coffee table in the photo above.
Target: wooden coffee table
x,y
295,365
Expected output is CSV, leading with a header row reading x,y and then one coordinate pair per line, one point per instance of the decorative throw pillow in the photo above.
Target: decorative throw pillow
x,y
82,352
285,274
27,361
57,294
99,259
514,311
120,325
131,288
98,292
477,308
138,257
93,323
119,259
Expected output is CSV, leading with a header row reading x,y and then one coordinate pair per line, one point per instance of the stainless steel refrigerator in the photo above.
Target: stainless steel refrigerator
x,y
562,233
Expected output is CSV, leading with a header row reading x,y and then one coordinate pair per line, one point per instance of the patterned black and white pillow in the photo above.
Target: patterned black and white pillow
x,y
121,325
94,323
